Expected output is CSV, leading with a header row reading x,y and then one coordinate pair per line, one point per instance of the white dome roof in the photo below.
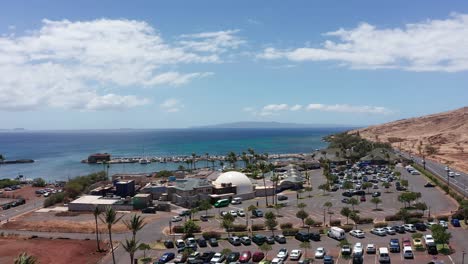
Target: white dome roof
x,y
240,180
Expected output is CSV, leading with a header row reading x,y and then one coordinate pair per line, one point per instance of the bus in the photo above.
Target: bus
x,y
221,203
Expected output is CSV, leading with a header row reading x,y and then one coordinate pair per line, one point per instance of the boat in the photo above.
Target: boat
x,y
144,161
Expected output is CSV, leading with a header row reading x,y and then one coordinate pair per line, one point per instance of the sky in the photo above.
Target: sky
x,y
175,64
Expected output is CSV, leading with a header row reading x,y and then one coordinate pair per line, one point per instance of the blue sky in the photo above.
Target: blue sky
x,y
155,64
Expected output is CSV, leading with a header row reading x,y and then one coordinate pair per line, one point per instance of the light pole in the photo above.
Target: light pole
x,y
463,257
448,179
424,162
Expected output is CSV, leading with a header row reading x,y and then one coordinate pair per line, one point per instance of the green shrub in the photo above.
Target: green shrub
x,y
380,224
347,228
365,220
335,222
54,199
211,234
39,182
286,225
178,229
412,220
430,219
7,183
290,231
257,227
240,234
417,235
416,214
442,217
392,218
240,227
458,214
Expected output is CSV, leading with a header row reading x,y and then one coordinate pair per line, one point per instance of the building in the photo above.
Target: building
x,y
234,183
141,200
87,203
99,157
125,188
155,189
189,192
139,178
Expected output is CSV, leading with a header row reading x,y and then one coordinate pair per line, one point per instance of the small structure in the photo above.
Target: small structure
x,y
99,157
155,189
141,200
125,188
139,178
380,156
189,192
89,202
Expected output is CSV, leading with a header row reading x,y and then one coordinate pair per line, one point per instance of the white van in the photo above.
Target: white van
x,y
336,233
384,257
236,200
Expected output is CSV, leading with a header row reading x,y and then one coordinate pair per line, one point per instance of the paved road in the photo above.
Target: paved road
x,y
8,214
460,182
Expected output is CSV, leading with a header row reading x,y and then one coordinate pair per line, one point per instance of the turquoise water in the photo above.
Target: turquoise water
x,y
58,153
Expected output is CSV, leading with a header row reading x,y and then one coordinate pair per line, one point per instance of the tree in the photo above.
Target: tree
x,y
376,201
309,222
421,206
135,224
251,208
328,205
353,202
205,205
96,214
301,214
404,183
309,190
194,161
24,258
367,186
227,222
305,245
440,234
131,246
145,247
190,227
301,205
263,167
324,187
265,248
347,185
404,215
270,221
355,217
430,150
39,182
110,218
408,197
346,212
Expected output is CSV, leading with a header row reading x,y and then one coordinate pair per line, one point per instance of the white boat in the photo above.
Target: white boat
x,y
144,161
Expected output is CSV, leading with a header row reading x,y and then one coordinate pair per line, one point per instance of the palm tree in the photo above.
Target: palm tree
x,y
110,218
135,224
221,164
24,258
328,205
207,156
131,246
194,155
263,168
96,214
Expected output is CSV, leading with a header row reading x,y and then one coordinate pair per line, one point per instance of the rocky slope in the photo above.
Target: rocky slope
x,y
447,132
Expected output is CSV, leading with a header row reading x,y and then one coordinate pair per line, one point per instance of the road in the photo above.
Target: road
x,y
459,182
6,215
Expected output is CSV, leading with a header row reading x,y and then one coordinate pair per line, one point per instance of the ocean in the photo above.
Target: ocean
x,y
57,154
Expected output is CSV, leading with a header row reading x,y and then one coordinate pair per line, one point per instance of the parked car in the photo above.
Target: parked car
x,y
406,242
245,256
302,236
295,254
258,256
389,230
371,249
270,240
358,259
429,184
204,218
431,248
283,254
357,249
314,236
394,245
234,240
399,229
409,227
207,256
180,258
282,197
346,250
193,256
245,240
213,242
240,213
328,260
376,194
233,213
176,218
149,210
417,242
217,258
345,200
379,231
363,198
455,222
201,242
233,257
420,227
169,244
280,239
408,252
320,253
357,233
257,213
259,239
443,223
180,243
277,261
428,239
383,255
166,257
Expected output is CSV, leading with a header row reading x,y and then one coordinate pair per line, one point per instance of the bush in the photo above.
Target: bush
x,y
54,199
7,183
347,228
257,227
240,227
417,235
392,218
240,234
335,222
442,217
290,231
39,182
178,229
286,225
458,215
318,223
365,220
211,234
380,224
413,220
416,214
430,219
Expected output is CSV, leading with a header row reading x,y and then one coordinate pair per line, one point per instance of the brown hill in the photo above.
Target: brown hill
x,y
447,132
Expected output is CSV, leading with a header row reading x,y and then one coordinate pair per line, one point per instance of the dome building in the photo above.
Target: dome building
x,y
235,183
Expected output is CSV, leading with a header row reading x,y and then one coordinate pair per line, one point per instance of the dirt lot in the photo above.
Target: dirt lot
x,y
74,223
64,251
27,192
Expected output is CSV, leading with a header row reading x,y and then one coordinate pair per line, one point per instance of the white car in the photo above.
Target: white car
x,y
371,249
389,230
428,239
357,233
217,258
443,224
379,231
233,213
240,212
277,261
295,254
176,218
282,254
320,252
409,227
408,252
357,249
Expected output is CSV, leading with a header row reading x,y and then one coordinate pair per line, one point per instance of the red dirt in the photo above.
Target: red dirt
x,y
57,251
27,192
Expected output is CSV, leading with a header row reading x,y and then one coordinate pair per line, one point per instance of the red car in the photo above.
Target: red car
x,y
257,256
363,198
245,256
406,242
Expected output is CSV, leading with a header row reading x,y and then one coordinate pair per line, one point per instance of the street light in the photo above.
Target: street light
x,y
448,179
463,257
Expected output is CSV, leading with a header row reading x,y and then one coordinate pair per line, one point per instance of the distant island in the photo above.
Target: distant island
x,y
270,125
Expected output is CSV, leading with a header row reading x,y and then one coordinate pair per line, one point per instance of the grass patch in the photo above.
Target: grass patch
x,y
444,249
145,260
157,245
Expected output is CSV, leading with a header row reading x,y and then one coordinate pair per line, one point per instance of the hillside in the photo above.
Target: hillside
x,y
447,132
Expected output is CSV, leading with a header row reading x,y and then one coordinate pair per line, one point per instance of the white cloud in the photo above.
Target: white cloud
x,y
296,107
79,65
431,45
275,107
171,105
217,42
345,108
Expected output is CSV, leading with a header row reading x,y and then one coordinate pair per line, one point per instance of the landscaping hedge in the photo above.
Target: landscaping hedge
x,y
257,227
211,234
335,222
286,225
290,231
442,217
392,218
365,220
347,228
240,227
178,229
380,224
